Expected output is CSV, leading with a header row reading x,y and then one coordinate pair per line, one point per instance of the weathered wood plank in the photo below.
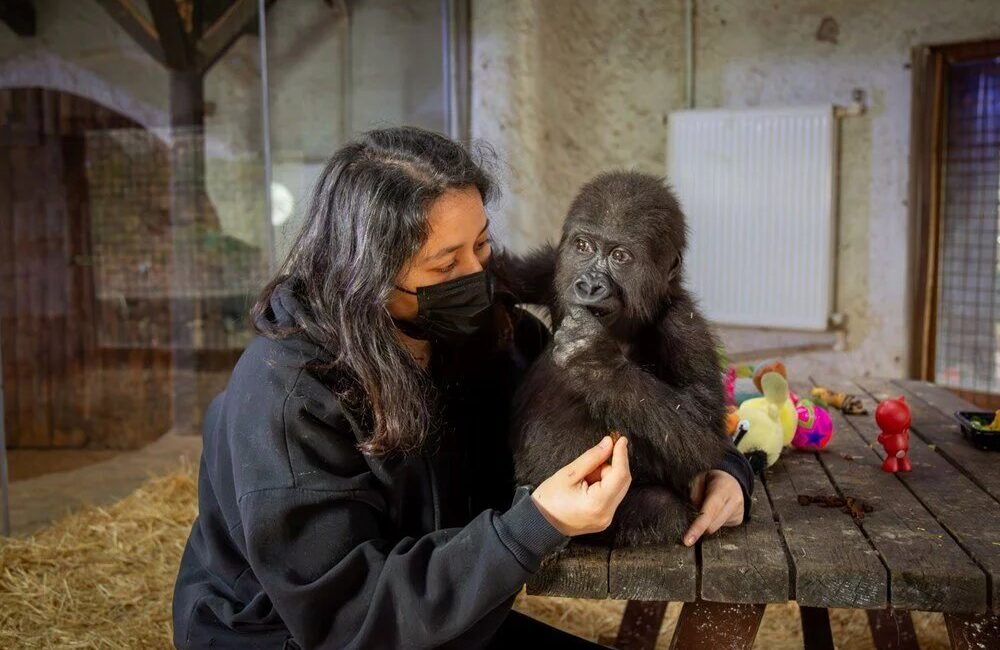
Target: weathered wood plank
x,y
943,432
57,265
968,513
653,572
31,429
927,569
939,397
834,565
579,571
746,564
8,292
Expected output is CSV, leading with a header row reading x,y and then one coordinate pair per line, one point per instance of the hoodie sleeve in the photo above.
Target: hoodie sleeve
x,y
734,464
337,579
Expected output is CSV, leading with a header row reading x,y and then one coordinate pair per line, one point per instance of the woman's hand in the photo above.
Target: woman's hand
x,y
720,499
582,497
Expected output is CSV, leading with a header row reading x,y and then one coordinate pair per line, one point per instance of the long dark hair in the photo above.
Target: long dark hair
x,y
367,219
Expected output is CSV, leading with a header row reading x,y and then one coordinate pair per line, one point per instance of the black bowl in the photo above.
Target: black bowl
x,y
988,440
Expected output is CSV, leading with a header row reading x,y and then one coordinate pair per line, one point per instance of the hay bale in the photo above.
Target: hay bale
x,y
101,577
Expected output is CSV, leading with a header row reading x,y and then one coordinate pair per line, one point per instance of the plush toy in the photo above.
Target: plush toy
x,y
765,368
732,420
729,383
786,409
759,435
893,419
815,428
847,403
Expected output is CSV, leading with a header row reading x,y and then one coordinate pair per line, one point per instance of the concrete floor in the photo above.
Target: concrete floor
x,y
42,498
31,463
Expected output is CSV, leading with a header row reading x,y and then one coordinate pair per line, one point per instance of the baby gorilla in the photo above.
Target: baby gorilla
x,y
630,353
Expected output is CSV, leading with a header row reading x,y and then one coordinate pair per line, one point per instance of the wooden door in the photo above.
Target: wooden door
x,y
62,387
955,187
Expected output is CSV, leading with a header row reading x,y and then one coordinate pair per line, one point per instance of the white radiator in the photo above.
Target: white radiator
x,y
757,187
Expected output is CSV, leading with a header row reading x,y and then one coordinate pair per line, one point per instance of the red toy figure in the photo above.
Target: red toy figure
x,y
893,418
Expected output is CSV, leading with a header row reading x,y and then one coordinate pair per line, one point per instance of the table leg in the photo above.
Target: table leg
x,y
711,626
973,630
640,624
892,629
816,633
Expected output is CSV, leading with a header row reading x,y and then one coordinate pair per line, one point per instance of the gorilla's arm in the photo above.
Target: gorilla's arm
x,y
685,421
530,277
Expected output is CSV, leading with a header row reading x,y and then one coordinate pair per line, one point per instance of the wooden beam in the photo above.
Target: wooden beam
x,y
220,36
175,42
136,25
19,15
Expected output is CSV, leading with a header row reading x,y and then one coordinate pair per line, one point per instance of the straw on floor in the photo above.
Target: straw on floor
x,y
103,578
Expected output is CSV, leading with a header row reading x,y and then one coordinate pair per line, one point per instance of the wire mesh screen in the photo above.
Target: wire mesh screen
x,y
968,335
160,254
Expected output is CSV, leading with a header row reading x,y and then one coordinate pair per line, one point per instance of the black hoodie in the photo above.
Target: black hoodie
x,y
301,541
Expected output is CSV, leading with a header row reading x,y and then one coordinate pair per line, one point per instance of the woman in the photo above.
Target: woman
x,y
355,488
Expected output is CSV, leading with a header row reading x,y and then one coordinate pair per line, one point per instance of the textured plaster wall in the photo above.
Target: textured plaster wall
x,y
565,88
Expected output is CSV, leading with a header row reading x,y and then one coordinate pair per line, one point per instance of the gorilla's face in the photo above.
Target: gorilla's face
x,y
620,253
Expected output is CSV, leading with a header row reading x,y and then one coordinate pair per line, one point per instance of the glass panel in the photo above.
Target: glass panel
x,y
131,222
135,228
968,320
337,69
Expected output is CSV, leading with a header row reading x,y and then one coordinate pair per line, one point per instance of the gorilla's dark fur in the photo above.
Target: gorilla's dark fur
x,y
630,353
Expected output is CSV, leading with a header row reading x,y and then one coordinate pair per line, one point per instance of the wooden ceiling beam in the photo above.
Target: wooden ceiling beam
x,y
178,52
219,37
19,15
135,25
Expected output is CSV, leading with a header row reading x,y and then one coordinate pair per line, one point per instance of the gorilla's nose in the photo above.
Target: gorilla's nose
x,y
592,288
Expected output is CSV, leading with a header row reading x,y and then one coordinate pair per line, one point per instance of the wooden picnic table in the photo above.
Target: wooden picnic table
x,y
930,543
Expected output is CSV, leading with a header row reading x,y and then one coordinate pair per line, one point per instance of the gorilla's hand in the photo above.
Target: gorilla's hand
x,y
581,343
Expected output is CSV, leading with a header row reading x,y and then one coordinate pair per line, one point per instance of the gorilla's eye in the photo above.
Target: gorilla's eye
x,y
621,256
583,246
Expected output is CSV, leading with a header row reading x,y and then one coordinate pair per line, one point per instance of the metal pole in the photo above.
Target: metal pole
x,y
446,68
455,67
265,125
346,74
4,483
689,53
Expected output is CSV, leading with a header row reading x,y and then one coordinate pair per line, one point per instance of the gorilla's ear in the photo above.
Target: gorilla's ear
x,y
675,268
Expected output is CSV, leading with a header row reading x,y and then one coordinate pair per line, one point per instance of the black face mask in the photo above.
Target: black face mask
x,y
450,311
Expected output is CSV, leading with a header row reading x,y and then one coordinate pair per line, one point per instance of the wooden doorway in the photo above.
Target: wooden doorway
x,y
955,210
63,387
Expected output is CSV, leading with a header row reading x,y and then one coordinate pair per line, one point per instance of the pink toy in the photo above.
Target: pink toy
x,y
729,381
815,427
893,419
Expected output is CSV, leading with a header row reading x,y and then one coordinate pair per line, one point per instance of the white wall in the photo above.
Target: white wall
x,y
565,89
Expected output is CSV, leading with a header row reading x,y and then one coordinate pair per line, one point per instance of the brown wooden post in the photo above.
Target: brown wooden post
x,y
188,48
187,219
640,624
816,633
892,629
703,624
